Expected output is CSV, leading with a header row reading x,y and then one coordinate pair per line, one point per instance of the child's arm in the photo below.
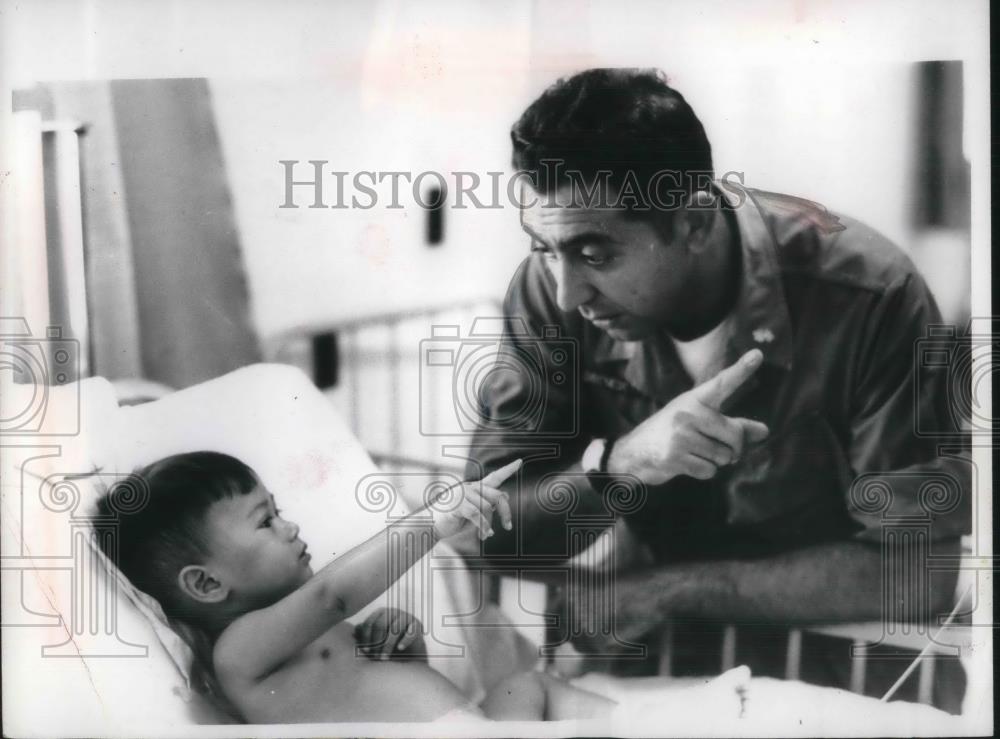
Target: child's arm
x,y
257,643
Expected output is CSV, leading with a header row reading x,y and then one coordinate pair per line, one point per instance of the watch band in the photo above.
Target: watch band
x,y
609,444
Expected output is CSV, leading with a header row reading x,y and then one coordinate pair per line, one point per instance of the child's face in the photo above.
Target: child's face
x,y
256,554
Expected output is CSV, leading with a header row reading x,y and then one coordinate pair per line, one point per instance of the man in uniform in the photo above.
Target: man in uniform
x,y
743,360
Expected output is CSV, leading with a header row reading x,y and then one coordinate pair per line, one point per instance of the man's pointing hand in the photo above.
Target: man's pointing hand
x,y
690,436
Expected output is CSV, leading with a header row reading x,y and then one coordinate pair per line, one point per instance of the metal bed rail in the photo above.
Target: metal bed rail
x,y
861,638
370,368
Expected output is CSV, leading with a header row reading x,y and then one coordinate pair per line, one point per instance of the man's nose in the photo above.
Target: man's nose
x,y
572,289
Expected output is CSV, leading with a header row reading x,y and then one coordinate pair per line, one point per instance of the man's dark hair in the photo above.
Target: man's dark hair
x,y
616,120
159,514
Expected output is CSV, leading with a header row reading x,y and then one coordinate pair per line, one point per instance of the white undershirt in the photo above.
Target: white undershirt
x,y
705,357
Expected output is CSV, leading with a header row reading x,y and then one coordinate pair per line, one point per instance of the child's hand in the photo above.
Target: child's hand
x,y
390,632
478,501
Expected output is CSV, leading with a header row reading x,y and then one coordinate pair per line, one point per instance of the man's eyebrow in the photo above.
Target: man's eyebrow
x,y
583,238
576,241
531,232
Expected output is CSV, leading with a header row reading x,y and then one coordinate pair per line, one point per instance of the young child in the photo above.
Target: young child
x,y
213,549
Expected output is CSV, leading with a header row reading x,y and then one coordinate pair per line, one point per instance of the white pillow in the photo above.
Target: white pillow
x,y
275,420
65,601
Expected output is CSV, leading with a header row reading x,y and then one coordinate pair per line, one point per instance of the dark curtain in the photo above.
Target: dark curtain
x,y
943,183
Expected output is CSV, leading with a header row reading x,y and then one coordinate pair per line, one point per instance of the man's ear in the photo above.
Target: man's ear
x,y
198,582
696,219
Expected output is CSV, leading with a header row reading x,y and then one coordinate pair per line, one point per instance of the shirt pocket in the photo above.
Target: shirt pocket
x,y
793,484
610,407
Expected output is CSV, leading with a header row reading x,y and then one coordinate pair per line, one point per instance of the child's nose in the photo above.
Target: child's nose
x,y
292,529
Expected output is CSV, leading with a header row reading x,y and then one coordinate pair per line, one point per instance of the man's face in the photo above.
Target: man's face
x,y
622,274
255,552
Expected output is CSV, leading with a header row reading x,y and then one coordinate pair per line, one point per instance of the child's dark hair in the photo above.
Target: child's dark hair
x,y
155,539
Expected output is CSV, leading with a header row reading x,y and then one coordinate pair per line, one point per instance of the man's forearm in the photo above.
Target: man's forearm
x,y
840,581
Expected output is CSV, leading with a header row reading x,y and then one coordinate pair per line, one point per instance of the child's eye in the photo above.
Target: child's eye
x,y
266,523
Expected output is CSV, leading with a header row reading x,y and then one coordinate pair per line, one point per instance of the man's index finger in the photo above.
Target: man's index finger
x,y
715,391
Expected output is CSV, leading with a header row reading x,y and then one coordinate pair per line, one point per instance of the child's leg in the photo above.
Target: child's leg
x,y
535,696
564,701
520,697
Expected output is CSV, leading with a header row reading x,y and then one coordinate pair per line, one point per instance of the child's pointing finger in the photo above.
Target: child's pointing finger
x,y
498,477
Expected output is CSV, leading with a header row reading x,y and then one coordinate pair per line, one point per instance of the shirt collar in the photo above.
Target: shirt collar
x,y
760,316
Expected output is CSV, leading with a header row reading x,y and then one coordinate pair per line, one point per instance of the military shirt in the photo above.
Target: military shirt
x,y
859,422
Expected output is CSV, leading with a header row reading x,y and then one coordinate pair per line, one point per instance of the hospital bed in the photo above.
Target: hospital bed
x,y
90,647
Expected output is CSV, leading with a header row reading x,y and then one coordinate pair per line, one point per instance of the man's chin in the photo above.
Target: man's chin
x,y
630,332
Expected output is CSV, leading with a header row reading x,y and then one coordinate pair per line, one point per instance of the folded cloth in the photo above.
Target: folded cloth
x,y
816,711
466,714
734,704
669,703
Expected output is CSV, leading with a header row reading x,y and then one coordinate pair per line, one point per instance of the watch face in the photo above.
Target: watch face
x,y
593,455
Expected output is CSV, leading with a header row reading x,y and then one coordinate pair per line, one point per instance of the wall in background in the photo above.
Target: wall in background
x,y
800,96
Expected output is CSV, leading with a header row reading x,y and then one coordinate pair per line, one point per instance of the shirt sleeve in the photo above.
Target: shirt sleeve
x,y
907,447
531,400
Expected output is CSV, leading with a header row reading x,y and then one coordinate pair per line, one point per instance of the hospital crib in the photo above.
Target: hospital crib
x,y
376,370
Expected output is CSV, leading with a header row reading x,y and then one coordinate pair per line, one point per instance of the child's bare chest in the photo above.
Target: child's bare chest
x,y
318,682
330,681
